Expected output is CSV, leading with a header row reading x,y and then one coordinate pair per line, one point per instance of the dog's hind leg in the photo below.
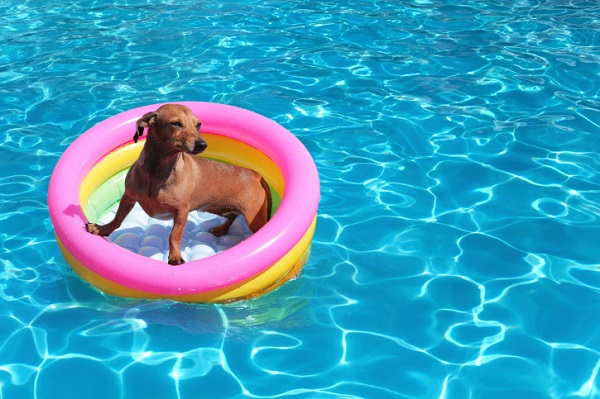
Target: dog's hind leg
x,y
222,229
259,215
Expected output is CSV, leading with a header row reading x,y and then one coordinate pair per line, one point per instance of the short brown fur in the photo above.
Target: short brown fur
x,y
168,180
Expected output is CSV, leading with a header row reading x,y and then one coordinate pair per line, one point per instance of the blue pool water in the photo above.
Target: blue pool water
x,y
457,249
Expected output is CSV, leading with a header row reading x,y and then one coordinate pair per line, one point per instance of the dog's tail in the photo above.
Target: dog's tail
x,y
267,189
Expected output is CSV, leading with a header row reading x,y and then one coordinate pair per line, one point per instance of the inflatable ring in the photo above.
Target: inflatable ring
x,y
262,262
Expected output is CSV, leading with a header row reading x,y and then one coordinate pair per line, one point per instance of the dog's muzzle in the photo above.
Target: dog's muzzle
x,y
199,146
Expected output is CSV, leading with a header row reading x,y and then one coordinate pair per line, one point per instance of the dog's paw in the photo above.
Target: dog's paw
x,y
98,230
176,260
92,228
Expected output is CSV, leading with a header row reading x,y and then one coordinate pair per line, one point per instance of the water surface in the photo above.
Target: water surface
x,y
456,253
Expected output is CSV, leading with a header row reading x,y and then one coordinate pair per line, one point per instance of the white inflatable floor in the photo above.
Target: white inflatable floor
x,y
149,237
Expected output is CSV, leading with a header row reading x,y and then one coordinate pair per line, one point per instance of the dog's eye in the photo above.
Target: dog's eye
x,y
198,126
176,124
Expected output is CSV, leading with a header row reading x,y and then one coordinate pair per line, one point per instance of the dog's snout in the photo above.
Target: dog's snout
x,y
200,146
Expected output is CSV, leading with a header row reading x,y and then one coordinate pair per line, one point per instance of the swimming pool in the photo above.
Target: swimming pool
x,y
456,251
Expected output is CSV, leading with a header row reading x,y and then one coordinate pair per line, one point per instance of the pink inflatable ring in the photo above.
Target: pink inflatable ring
x,y
276,253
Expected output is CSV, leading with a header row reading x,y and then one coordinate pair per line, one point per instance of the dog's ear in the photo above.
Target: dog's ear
x,y
145,121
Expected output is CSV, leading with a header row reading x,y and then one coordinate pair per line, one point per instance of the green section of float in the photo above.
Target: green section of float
x,y
110,192
105,196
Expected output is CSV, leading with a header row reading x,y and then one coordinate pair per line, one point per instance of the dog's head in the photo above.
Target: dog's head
x,y
173,124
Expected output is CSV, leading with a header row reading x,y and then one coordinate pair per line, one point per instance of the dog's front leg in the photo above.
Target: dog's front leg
x,y
125,206
180,220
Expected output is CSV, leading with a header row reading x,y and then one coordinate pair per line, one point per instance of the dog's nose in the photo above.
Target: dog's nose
x,y
200,146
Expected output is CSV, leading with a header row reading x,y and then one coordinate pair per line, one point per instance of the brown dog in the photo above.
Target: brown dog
x,y
168,180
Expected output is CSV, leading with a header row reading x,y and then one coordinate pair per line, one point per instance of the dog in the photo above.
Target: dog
x,y
168,180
